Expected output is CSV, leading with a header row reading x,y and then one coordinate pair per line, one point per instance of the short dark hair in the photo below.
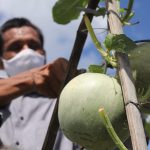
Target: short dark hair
x,y
20,22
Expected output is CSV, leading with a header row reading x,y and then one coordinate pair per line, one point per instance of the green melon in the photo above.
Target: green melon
x,y
80,101
140,62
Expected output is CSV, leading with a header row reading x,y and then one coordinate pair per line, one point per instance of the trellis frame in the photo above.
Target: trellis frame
x,y
129,93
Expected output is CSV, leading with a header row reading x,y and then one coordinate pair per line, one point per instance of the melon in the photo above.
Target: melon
x,y
78,113
82,97
140,65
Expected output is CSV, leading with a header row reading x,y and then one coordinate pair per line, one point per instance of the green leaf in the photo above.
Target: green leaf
x,y
65,11
120,43
101,11
96,69
122,10
108,42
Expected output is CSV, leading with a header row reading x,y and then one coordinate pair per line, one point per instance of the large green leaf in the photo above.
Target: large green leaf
x,y
120,43
65,11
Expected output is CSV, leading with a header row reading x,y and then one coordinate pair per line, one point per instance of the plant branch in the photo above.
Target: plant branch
x,y
105,55
129,9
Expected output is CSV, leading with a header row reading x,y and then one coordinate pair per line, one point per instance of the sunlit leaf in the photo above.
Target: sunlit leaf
x,y
65,11
108,41
120,43
96,69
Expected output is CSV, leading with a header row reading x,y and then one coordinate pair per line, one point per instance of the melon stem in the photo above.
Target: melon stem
x,y
107,123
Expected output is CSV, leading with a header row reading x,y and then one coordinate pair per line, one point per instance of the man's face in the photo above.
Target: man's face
x,y
18,39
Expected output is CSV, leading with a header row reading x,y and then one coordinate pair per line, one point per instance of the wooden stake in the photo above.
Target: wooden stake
x,y
129,93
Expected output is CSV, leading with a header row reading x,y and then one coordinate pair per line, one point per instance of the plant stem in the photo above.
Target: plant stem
x,y
130,5
106,56
93,36
110,129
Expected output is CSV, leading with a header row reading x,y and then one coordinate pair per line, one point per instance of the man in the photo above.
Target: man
x,y
26,96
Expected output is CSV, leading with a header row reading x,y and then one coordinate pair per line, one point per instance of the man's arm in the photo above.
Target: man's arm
x,y
45,80
13,87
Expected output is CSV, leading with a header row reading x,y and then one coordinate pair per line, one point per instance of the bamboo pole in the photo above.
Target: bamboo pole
x,y
135,123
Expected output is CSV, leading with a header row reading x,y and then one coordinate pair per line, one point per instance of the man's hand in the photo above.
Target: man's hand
x,y
48,79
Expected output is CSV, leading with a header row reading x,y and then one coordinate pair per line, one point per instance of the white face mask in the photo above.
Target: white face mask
x,y
23,61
